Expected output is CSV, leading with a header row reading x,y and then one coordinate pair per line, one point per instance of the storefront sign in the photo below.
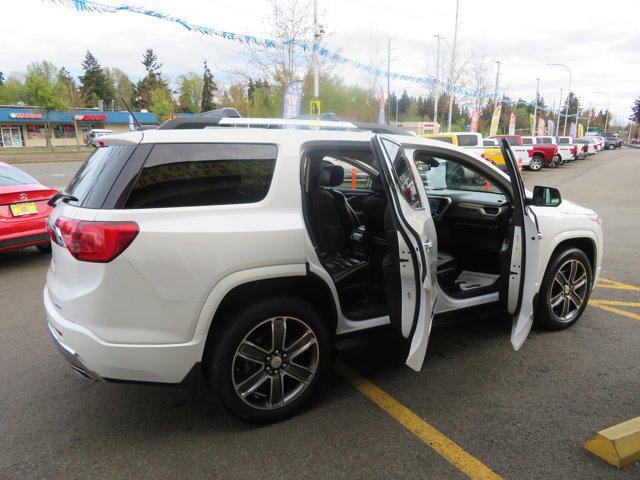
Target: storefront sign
x,y
25,115
90,118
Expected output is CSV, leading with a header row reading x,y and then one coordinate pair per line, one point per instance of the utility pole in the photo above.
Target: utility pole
x,y
453,61
559,108
389,80
316,36
535,108
497,83
437,86
606,118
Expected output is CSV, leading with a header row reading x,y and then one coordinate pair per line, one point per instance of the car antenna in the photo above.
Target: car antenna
x,y
131,113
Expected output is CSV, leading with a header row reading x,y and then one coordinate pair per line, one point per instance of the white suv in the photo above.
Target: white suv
x,y
245,252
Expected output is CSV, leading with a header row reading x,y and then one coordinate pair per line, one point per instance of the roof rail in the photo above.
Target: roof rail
x,y
285,122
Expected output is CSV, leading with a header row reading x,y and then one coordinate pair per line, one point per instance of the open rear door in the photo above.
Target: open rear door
x,y
523,255
412,234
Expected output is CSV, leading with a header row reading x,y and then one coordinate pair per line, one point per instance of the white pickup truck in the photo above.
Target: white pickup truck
x,y
570,141
522,153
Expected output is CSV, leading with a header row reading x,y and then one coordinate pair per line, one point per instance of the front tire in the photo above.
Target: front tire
x,y
565,289
269,359
536,163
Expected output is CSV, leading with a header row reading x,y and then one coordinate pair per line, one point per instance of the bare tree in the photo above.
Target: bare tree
x,y
478,78
292,20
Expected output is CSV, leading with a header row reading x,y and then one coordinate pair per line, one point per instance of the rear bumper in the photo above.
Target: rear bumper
x,y
23,240
72,356
97,359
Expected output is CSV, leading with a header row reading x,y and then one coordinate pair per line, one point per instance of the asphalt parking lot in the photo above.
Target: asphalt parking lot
x,y
515,415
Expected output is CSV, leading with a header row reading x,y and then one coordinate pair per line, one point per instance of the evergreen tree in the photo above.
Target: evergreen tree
x,y
152,82
404,103
1,78
635,111
95,82
210,89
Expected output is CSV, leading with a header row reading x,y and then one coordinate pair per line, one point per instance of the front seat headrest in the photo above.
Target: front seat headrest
x,y
331,176
376,185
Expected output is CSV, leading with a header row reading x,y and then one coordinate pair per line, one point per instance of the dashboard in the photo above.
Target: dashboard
x,y
466,205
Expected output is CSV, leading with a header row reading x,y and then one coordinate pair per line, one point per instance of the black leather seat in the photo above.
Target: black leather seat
x,y
334,221
374,210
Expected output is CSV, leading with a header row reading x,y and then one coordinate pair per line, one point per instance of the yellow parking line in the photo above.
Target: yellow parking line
x,y
616,302
606,283
451,451
602,306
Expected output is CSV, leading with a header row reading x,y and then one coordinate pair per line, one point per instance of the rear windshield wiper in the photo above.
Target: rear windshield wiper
x,y
64,196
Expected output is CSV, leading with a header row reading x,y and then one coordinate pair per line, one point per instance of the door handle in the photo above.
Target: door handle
x,y
428,244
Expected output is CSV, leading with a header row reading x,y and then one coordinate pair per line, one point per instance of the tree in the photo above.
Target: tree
x,y
635,111
12,90
125,88
96,84
404,103
71,95
209,90
190,87
1,79
151,82
161,104
42,90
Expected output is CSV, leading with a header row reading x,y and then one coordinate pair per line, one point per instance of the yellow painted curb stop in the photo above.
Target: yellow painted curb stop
x,y
618,445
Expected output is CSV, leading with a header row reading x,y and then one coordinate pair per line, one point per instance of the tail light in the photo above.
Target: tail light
x,y
574,149
530,153
98,242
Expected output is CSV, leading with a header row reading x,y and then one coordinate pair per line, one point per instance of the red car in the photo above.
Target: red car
x,y
23,210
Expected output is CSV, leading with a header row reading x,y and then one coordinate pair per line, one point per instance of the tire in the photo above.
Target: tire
x,y
233,376
536,163
44,247
611,147
552,290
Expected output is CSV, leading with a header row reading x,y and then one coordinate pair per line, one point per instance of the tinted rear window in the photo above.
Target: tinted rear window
x,y
92,182
467,140
189,175
544,141
14,176
563,140
526,141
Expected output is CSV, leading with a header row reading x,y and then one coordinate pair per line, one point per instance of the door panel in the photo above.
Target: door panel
x,y
523,256
415,240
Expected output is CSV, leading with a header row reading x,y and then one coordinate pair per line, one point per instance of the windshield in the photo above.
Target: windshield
x,y
15,176
448,175
467,140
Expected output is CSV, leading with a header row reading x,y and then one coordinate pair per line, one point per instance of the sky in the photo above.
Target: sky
x,y
599,43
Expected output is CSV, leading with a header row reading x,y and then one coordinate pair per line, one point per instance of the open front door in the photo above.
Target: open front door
x,y
523,255
411,242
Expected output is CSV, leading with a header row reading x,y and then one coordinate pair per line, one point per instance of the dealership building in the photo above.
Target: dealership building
x,y
22,126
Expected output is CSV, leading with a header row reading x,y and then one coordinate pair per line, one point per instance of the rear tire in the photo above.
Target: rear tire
x,y
565,289
44,247
269,359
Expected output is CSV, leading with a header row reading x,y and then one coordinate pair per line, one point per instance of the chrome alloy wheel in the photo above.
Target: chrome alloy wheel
x,y
535,164
275,362
569,290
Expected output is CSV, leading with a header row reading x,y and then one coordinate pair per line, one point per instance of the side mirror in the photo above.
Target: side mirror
x,y
546,197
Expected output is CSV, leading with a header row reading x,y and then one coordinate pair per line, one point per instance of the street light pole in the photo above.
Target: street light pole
x,y
389,79
316,37
566,112
453,60
497,83
559,108
606,118
535,108
437,86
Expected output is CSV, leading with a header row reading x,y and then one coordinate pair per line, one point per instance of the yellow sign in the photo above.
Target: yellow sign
x,y
495,120
314,107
